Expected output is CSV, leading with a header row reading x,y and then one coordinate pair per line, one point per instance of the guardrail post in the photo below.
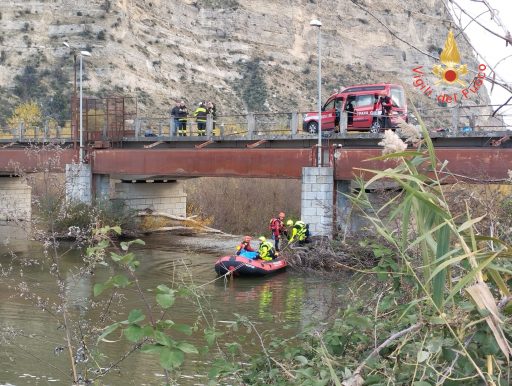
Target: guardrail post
x,y
58,131
455,118
294,123
21,129
137,127
209,126
159,129
172,127
189,127
221,130
343,122
251,124
45,131
472,120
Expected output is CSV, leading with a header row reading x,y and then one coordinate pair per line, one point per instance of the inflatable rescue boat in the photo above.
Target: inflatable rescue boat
x,y
243,266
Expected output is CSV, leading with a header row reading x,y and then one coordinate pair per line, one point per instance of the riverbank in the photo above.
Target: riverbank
x,y
221,244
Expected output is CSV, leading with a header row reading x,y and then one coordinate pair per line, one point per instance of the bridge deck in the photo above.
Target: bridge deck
x,y
234,159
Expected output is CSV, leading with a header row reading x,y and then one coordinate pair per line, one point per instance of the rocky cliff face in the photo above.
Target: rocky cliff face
x,y
247,55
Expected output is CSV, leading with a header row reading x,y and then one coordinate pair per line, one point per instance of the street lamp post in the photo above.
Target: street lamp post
x,y
81,54
318,23
81,154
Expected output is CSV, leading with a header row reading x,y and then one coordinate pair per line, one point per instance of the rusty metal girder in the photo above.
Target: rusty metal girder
x,y
479,164
476,163
33,160
271,163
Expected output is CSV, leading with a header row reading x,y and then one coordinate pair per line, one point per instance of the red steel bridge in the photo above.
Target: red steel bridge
x,y
124,146
472,157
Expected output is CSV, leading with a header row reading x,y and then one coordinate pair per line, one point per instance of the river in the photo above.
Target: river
x,y
31,340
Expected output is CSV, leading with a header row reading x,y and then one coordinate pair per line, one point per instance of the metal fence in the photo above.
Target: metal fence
x,y
112,124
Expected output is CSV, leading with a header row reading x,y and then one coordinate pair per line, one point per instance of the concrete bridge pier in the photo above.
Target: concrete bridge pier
x,y
348,219
15,199
79,183
166,196
101,186
317,199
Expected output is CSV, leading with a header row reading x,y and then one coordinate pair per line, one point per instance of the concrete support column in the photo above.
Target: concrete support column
x,y
15,199
101,186
159,196
317,199
79,183
344,219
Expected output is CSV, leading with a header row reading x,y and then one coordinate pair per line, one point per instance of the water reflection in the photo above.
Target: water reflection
x,y
287,297
14,235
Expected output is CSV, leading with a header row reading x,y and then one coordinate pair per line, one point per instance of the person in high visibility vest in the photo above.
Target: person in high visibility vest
x,y
299,233
200,115
266,250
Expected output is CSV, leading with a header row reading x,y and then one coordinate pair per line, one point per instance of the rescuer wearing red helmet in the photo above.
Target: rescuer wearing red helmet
x,y
245,245
277,228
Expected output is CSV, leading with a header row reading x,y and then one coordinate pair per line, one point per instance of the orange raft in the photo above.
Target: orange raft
x,y
242,266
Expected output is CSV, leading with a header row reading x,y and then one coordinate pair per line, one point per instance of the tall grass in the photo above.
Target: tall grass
x,y
454,258
243,205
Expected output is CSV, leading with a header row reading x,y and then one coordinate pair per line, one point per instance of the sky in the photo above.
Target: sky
x,y
492,48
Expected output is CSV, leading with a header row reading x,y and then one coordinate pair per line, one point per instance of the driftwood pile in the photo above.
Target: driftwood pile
x,y
330,256
176,224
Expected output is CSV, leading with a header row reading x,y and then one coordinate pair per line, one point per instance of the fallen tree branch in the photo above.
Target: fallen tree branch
x,y
355,378
189,220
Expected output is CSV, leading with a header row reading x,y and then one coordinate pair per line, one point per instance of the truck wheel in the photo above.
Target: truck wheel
x,y
312,127
376,127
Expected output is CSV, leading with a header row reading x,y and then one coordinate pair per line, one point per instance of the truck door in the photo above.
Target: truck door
x,y
329,115
363,107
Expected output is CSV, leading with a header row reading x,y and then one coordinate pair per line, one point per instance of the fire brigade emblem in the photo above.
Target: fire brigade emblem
x,y
450,71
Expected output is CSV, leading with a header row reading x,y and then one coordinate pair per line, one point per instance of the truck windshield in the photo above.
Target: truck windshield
x,y
397,96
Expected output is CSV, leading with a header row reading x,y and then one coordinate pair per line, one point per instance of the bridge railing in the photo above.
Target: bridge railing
x,y
251,125
40,133
456,118
255,125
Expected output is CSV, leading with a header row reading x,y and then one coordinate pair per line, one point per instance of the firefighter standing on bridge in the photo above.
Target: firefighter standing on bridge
x,y
180,113
200,115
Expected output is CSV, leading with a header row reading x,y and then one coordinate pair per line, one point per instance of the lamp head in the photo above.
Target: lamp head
x,y
85,53
315,23
66,44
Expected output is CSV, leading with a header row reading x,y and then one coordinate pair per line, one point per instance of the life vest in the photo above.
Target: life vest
x,y
299,231
266,251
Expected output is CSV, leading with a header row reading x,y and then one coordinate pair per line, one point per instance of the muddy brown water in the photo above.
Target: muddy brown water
x,y
283,303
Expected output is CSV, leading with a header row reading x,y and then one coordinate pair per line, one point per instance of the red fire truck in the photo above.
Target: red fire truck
x,y
359,103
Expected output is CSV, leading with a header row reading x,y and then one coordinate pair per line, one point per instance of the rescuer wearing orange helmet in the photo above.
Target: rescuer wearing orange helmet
x,y
245,245
277,228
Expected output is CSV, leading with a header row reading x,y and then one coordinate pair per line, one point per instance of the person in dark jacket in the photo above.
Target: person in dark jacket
x,y
212,111
180,113
350,112
200,115
387,105
377,112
